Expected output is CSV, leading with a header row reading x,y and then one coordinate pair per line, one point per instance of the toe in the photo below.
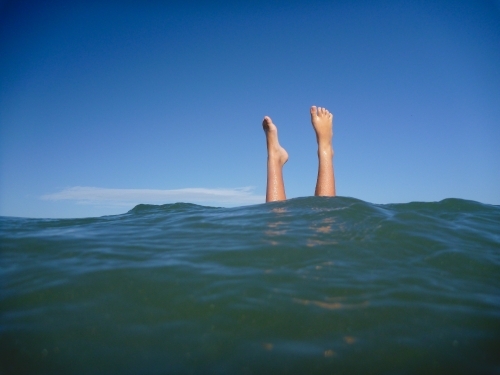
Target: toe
x,y
313,110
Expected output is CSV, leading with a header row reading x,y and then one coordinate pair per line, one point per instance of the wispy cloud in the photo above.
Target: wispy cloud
x,y
127,197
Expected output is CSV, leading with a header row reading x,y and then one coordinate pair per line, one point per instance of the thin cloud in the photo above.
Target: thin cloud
x,y
121,197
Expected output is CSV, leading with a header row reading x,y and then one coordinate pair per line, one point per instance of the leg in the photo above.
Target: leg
x,y
276,158
322,122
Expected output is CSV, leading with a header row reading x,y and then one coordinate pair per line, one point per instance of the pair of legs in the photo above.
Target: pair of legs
x,y
322,122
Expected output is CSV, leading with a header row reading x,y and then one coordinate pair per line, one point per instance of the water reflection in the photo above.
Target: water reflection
x,y
330,305
324,227
276,228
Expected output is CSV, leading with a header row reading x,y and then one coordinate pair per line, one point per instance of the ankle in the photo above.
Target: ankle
x,y
277,156
325,151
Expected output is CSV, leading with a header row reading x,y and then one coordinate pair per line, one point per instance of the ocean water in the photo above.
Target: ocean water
x,y
307,286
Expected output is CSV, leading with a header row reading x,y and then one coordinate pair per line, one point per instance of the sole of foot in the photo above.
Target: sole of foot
x,y
322,122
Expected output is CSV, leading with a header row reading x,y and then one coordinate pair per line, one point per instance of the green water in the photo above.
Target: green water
x,y
306,286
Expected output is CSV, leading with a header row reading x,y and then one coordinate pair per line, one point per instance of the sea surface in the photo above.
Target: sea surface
x,y
306,286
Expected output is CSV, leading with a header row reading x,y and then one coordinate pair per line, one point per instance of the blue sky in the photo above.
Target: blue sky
x,y
107,104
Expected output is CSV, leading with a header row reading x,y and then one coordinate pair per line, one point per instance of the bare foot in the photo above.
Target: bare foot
x,y
322,122
275,153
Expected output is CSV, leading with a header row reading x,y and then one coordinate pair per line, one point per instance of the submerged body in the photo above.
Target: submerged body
x,y
305,286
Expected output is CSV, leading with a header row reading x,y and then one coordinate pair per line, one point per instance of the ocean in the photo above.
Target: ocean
x,y
306,286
